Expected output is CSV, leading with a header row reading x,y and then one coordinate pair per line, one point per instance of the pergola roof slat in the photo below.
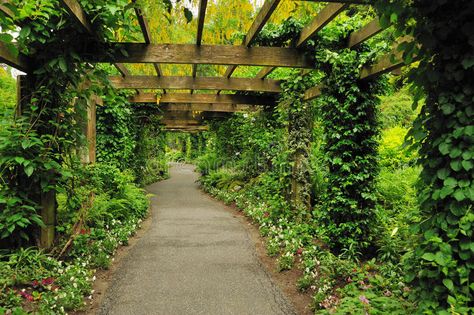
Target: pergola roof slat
x,y
199,83
326,15
78,14
263,15
368,31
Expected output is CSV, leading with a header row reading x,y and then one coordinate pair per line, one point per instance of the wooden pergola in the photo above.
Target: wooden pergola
x,y
190,111
269,58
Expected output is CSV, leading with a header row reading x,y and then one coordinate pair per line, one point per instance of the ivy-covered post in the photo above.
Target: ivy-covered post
x,y
300,124
348,108
442,265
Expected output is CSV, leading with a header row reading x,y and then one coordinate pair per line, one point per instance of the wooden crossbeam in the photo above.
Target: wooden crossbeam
x,y
263,15
183,98
199,83
200,28
204,54
181,122
20,62
384,64
222,108
177,128
326,15
194,115
78,14
368,31
367,2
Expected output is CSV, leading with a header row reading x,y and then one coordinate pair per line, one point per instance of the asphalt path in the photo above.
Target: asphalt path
x,y
196,258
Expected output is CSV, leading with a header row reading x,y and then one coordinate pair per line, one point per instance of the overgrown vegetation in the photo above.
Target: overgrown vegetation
x,y
377,225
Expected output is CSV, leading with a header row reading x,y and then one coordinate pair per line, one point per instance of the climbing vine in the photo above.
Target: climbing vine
x,y
441,266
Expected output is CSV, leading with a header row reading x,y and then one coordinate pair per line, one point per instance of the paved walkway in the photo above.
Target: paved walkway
x,y
196,258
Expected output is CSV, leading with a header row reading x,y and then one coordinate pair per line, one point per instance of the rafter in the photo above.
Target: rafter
x,y
263,15
20,62
183,98
326,15
78,14
199,83
384,64
204,54
368,31
200,28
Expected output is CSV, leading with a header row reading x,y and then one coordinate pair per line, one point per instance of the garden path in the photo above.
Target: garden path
x,y
196,258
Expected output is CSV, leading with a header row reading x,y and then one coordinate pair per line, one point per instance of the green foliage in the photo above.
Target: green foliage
x,y
7,95
396,110
348,108
392,153
116,140
441,266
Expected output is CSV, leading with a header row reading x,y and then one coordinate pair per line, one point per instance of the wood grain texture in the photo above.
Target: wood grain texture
x,y
183,98
263,15
383,65
143,23
204,54
326,15
312,93
366,32
262,74
199,83
20,62
78,14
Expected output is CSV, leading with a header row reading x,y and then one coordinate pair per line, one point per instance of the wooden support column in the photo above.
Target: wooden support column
x,y
88,154
48,215
47,200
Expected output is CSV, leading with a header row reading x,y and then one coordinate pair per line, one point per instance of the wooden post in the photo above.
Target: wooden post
x,y
48,215
299,142
88,153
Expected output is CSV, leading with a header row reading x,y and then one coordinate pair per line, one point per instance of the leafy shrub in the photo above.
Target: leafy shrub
x,y
396,110
392,154
208,162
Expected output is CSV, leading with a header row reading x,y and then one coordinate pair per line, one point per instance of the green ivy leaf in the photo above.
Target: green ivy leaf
x,y
29,170
448,283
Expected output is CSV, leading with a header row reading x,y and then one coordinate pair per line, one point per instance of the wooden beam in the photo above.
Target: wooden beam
x,y
312,93
20,62
3,8
201,18
122,69
143,23
183,98
326,15
177,128
186,114
200,28
199,83
204,54
263,15
262,74
368,31
78,14
181,122
222,108
383,65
